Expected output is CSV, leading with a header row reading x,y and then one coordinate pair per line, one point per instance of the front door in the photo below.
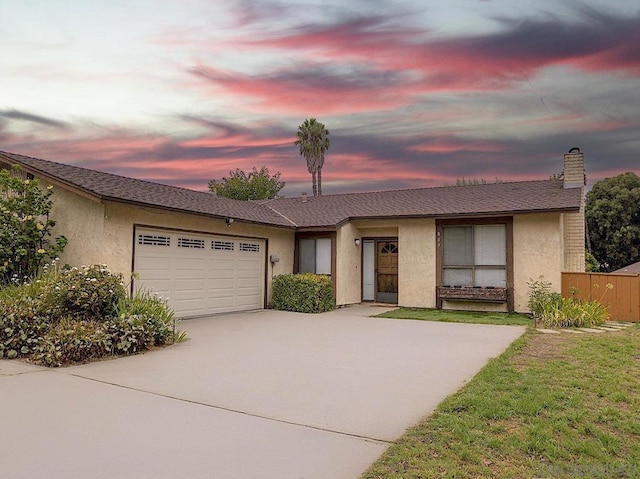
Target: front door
x,y
380,270
387,271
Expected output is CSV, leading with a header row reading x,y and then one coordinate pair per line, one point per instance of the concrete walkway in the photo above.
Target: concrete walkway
x,y
263,394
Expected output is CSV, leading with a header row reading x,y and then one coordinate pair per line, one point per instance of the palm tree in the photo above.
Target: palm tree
x,y
313,139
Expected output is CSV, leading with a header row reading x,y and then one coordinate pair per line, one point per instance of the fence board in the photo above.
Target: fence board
x,y
622,297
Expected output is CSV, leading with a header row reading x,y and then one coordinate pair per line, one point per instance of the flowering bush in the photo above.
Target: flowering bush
x,y
79,314
25,228
88,292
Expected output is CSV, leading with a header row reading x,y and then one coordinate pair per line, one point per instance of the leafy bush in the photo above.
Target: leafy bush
x,y
73,341
77,315
88,292
304,293
552,310
151,311
23,320
25,228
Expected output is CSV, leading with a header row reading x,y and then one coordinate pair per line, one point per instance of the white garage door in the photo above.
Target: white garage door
x,y
200,273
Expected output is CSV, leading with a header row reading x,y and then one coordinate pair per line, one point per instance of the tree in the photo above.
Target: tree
x,y
257,185
313,140
613,221
25,230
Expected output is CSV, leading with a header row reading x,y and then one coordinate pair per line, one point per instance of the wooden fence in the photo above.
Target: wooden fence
x,y
619,292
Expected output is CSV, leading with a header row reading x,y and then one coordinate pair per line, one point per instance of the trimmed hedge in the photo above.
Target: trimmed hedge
x,y
303,293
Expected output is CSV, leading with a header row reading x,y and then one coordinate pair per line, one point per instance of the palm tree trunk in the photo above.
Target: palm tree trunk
x,y
313,180
319,181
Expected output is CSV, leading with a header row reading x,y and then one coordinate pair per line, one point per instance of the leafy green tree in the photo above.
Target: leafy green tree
x,y
25,230
313,140
613,221
256,185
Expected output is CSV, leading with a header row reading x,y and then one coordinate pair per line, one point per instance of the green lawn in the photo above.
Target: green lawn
x,y
459,316
552,406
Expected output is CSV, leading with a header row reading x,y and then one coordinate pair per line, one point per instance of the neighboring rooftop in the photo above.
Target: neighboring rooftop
x,y
316,212
630,269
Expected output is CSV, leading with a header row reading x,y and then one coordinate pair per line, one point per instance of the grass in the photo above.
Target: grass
x,y
553,405
459,316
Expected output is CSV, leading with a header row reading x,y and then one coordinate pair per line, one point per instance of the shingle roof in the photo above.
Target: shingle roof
x,y
106,186
629,269
476,200
317,212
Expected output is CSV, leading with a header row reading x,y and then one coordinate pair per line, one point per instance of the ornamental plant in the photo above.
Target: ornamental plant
x,y
25,228
552,310
88,292
74,315
304,293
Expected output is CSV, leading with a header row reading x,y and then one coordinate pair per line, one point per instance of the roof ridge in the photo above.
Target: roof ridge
x,y
401,190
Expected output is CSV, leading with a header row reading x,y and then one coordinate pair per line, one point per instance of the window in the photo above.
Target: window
x,y
190,243
314,255
250,247
154,240
222,245
475,256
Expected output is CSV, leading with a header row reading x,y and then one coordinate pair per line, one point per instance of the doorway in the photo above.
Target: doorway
x,y
380,270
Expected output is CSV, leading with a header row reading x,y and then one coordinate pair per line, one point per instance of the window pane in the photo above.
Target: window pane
x,y
457,277
490,245
323,256
496,277
457,246
307,256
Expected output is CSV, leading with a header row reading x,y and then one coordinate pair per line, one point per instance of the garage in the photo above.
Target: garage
x,y
200,273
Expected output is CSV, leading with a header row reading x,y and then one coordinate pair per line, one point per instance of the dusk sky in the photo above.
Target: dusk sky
x,y
414,93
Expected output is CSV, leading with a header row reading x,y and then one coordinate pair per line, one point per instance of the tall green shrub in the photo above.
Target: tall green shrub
x,y
25,228
303,293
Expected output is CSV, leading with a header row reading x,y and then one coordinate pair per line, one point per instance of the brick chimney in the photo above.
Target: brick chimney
x,y
304,197
574,223
574,175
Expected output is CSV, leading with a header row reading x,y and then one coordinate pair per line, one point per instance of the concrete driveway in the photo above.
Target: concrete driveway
x,y
264,394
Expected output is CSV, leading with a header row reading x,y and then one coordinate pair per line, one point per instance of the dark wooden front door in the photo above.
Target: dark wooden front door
x,y
387,271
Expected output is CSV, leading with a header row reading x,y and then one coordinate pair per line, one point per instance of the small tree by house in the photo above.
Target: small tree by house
x,y
26,228
256,185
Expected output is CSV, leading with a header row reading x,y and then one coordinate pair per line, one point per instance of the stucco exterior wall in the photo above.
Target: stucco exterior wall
x,y
416,260
538,252
81,221
417,263
348,281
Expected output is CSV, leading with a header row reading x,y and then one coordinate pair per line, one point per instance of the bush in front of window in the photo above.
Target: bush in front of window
x,y
303,293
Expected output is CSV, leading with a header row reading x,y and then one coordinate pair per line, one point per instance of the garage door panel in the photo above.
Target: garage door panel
x,y
200,273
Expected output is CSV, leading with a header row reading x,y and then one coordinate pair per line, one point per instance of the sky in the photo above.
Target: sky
x,y
415,93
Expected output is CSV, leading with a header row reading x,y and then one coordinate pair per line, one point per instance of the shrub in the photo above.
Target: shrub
x,y
23,320
25,228
151,311
304,293
73,341
88,292
552,310
77,315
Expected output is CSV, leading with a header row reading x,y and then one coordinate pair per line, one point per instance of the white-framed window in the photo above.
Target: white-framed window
x,y
475,255
314,255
